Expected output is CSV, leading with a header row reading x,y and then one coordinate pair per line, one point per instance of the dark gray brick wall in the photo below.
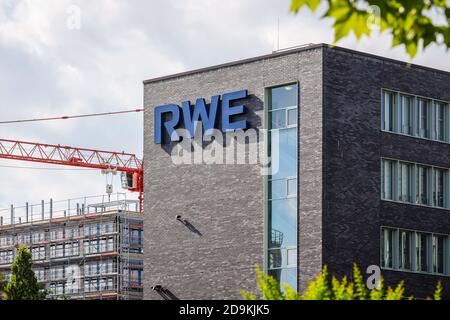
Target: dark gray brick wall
x,y
225,203
353,145
340,146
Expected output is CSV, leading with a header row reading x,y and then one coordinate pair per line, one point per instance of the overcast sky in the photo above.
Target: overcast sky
x,y
50,67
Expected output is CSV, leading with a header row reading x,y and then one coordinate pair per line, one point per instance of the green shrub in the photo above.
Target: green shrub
x,y
321,288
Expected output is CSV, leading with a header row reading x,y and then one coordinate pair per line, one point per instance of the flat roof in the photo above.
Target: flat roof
x,y
291,51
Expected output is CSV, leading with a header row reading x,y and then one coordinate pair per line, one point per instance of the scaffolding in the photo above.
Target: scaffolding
x,y
84,248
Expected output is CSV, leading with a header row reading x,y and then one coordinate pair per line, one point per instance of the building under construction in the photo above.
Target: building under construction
x,y
87,248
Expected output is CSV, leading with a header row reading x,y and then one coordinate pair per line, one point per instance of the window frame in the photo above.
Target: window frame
x,y
432,120
268,179
431,187
415,265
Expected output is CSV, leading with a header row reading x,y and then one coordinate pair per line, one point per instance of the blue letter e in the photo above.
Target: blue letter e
x,y
228,111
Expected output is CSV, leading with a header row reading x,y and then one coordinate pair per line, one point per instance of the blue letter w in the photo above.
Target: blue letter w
x,y
208,117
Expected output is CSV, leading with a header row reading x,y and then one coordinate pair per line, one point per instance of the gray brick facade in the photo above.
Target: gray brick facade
x,y
340,145
353,147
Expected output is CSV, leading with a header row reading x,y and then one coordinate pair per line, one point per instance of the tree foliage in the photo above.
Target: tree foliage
x,y
2,285
322,288
23,284
413,23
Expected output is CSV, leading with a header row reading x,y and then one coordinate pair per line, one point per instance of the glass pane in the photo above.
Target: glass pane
x,y
277,258
438,254
283,97
438,187
440,121
404,178
388,179
283,222
421,252
292,187
406,114
422,124
278,119
405,250
282,258
292,117
422,185
388,121
277,189
285,276
285,165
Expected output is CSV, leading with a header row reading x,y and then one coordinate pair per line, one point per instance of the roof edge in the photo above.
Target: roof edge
x,y
291,51
236,62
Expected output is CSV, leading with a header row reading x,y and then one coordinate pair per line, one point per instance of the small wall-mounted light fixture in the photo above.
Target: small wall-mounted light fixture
x,y
158,288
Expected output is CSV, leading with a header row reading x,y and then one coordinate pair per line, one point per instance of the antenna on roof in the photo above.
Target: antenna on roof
x,y
278,33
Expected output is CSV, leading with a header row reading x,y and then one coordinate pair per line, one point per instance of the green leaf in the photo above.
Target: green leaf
x,y
411,48
406,20
296,5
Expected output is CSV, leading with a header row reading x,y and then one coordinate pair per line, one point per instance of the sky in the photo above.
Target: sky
x,y
60,57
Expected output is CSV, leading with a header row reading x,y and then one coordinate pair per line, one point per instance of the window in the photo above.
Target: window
x,y
387,243
387,170
98,245
422,118
38,253
400,180
388,110
40,274
6,241
107,227
439,188
103,245
406,114
57,288
282,183
136,277
404,181
57,251
438,254
57,273
6,257
72,286
441,122
110,244
72,232
414,251
136,237
57,234
405,250
422,176
95,268
24,238
71,249
98,284
422,252
415,116
37,237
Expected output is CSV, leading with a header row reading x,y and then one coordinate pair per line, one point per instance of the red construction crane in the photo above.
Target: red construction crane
x,y
126,163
